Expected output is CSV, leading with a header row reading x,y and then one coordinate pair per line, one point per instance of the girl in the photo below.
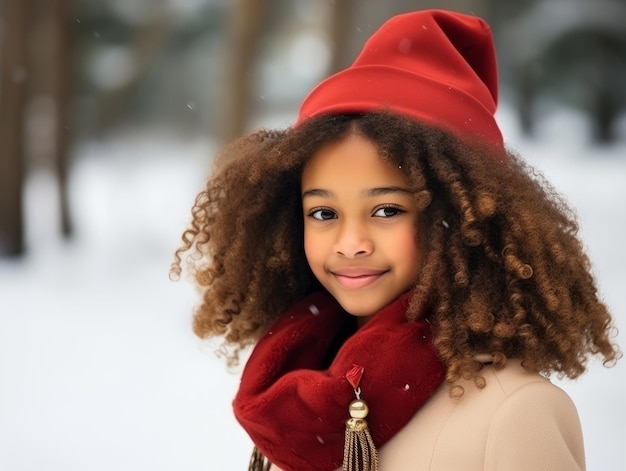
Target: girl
x,y
408,283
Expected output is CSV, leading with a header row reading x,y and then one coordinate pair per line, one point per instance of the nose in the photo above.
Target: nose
x,y
353,240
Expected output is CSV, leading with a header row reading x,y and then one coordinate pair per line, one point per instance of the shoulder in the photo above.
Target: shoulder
x,y
518,421
536,424
530,399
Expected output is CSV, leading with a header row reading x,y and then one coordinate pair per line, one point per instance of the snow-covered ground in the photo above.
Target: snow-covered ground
x,y
98,367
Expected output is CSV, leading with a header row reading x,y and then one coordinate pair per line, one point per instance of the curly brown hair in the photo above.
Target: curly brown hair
x,y
503,271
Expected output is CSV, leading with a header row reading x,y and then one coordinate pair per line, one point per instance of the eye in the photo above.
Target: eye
x,y
322,214
388,212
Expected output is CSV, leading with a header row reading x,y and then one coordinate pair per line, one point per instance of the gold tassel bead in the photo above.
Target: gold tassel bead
x,y
358,409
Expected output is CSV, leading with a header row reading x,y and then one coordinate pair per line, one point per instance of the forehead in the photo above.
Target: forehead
x,y
353,159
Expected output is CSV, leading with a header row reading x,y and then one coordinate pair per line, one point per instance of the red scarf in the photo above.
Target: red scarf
x,y
294,396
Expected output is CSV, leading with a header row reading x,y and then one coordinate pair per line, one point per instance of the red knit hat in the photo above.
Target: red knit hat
x,y
435,66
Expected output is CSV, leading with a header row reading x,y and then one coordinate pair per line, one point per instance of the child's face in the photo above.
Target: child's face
x,y
360,232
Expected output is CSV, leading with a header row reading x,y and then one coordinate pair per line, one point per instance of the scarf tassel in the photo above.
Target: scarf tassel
x,y
359,453
258,461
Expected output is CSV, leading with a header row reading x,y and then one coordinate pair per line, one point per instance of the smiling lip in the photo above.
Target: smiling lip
x,y
357,278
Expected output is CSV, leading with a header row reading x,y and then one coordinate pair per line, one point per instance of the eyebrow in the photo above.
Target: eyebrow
x,y
385,190
317,192
369,193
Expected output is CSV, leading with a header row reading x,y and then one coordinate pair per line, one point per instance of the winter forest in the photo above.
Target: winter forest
x,y
110,113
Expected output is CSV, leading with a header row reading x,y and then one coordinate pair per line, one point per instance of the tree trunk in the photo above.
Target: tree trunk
x,y
247,20
340,35
59,90
13,76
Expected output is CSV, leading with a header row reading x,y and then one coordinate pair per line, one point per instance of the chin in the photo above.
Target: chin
x,y
359,310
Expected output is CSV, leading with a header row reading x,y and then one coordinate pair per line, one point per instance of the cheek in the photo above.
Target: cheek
x,y
312,249
409,254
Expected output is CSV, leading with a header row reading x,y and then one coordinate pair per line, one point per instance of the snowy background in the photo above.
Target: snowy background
x,y
99,369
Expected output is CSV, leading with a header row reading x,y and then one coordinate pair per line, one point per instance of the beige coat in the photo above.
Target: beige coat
x,y
518,422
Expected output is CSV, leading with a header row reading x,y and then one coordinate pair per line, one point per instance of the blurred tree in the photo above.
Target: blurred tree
x,y
584,67
55,15
145,64
35,70
341,16
145,43
573,53
13,77
247,24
